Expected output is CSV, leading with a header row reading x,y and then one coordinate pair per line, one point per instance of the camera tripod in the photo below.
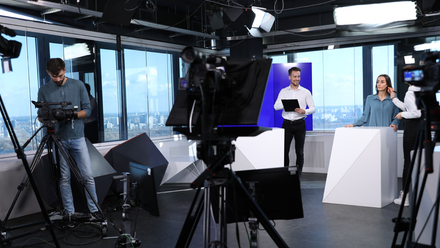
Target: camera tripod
x,y
424,140
52,141
219,183
5,238
55,146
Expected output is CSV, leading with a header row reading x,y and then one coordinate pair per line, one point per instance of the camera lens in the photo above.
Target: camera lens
x,y
191,55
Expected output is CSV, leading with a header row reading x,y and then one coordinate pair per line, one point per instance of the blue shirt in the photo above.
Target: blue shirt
x,y
378,113
72,91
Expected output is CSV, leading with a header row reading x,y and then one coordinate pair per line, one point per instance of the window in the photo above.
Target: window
x,y
18,89
279,59
111,94
136,88
159,76
337,86
148,80
382,63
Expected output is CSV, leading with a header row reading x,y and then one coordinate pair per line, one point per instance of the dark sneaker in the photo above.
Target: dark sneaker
x,y
96,216
68,224
68,221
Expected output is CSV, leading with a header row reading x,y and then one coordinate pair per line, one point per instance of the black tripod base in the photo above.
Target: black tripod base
x,y
127,239
402,224
193,216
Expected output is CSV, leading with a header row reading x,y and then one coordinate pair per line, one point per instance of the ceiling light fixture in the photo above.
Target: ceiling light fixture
x,y
76,51
50,11
380,13
433,46
262,21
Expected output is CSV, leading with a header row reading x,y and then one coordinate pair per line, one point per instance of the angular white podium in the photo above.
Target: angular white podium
x,y
363,167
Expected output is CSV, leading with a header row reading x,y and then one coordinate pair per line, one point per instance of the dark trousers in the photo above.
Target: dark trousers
x,y
297,130
410,129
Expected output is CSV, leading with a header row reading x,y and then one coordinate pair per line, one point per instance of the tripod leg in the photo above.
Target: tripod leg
x,y
54,157
258,212
191,221
223,217
78,175
25,182
436,211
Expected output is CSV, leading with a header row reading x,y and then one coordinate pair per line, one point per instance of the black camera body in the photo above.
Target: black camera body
x,y
427,77
207,71
53,115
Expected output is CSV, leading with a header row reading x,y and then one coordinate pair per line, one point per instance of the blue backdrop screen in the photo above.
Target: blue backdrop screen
x,y
279,79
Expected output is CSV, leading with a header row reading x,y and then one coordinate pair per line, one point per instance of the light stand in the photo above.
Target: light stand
x,y
253,221
125,239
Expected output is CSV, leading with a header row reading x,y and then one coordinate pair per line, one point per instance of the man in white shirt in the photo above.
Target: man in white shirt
x,y
294,124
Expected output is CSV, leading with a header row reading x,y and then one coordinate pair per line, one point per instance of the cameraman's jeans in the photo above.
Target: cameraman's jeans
x,y
79,152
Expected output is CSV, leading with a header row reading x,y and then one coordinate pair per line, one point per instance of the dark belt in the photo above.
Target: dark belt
x,y
294,122
414,120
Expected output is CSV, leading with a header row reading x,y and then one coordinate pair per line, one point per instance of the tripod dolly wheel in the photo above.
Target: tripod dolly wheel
x,y
104,228
4,236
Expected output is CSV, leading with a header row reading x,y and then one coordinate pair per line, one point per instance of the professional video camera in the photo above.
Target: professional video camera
x,y
427,77
219,94
52,115
8,49
206,71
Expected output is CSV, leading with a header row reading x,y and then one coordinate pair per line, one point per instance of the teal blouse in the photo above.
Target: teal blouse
x,y
378,113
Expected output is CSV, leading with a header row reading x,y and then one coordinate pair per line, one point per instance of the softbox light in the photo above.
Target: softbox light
x,y
262,20
233,13
102,173
216,20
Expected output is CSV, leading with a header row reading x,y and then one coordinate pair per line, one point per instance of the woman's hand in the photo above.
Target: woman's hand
x,y
399,116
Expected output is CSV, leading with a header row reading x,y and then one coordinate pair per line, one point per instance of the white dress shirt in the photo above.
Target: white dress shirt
x,y
408,106
304,98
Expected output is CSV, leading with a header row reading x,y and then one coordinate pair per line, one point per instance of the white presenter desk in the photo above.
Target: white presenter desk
x,y
363,167
260,152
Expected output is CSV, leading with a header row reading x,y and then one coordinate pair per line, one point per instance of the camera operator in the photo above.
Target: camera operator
x,y
71,132
412,116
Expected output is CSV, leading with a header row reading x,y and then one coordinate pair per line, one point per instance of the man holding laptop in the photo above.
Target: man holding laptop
x,y
293,100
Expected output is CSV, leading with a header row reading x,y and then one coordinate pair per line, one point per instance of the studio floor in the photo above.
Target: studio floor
x,y
323,226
